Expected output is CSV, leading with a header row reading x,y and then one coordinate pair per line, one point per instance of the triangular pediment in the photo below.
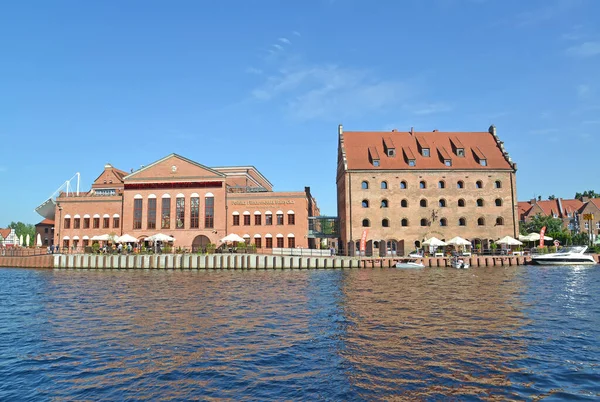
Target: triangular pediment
x,y
174,167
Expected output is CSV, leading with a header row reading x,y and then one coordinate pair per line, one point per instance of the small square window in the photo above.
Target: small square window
x,y
391,152
460,152
483,162
448,162
426,152
411,162
376,162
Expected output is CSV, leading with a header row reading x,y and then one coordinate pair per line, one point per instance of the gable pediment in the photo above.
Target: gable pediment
x,y
174,167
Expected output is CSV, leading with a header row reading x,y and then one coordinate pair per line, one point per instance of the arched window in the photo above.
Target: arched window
x,y
423,203
460,184
423,222
364,185
422,184
480,222
462,222
365,203
403,185
442,203
441,184
443,222
498,184
384,203
384,185
461,203
366,223
404,204
385,223
404,222
480,202
479,184
498,202
499,221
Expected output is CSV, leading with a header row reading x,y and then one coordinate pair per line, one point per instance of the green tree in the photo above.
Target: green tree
x,y
24,229
553,225
551,197
588,194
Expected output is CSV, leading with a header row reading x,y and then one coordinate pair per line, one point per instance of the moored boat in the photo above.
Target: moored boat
x,y
409,263
459,263
565,256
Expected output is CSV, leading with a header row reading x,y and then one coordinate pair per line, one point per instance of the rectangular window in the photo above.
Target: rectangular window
x,y
280,242
258,242
86,242
151,213
376,162
291,219
448,162
86,223
137,213
180,213
269,242
194,212
257,220
76,223
291,242
411,162
426,152
268,219
483,162
105,223
96,223
587,225
460,152
65,243
166,214
45,230
67,224
280,219
116,222
209,212
246,220
236,220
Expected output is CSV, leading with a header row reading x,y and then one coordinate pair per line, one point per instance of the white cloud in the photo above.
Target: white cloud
x,y
296,33
431,108
254,70
285,40
585,49
551,10
278,47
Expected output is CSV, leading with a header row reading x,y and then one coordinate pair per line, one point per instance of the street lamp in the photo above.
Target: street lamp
x,y
59,223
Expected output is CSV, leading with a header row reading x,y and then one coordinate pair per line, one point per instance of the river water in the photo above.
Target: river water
x,y
510,333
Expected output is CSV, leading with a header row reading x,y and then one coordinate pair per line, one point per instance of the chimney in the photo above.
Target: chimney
x,y
532,201
492,130
435,130
394,130
412,131
340,129
585,199
107,166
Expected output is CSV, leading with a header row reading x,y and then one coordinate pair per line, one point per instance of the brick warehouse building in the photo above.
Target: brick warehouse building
x,y
195,204
404,187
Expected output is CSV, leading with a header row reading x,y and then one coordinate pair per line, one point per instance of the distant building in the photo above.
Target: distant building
x,y
401,188
45,229
193,203
8,238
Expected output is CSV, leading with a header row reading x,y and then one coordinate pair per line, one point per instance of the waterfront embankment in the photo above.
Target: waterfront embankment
x,y
236,261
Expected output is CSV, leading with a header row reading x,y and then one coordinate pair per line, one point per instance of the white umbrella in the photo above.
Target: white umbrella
x,y
39,240
104,237
232,237
458,241
434,241
21,240
127,239
524,237
509,241
27,240
160,237
536,237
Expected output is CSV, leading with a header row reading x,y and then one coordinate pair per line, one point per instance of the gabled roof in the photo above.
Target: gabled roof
x,y
484,143
173,155
4,233
523,207
46,222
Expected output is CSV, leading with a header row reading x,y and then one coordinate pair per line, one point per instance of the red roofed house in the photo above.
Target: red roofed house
x,y
46,231
405,187
8,237
566,210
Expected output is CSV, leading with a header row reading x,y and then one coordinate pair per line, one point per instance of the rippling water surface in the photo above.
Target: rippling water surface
x,y
484,334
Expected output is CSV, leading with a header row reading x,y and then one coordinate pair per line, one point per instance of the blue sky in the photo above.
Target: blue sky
x,y
267,82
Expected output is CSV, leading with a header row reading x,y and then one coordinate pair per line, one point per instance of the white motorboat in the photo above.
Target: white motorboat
x,y
459,263
409,263
573,255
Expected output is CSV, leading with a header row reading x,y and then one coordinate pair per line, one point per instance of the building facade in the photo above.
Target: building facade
x,y
193,203
400,188
45,230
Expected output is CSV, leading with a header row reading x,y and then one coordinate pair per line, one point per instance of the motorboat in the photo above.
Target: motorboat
x,y
573,255
409,263
417,254
459,263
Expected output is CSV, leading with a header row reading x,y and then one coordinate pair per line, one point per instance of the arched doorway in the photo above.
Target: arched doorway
x,y
199,244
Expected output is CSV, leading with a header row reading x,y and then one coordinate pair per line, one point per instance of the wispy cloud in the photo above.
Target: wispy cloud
x,y
285,40
277,46
549,11
254,70
431,108
585,49
583,90
296,33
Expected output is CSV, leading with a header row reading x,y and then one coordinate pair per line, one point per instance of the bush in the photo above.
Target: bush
x,y
210,248
96,247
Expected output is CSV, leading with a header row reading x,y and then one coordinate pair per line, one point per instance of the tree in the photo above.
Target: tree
x,y
553,225
24,229
588,194
551,197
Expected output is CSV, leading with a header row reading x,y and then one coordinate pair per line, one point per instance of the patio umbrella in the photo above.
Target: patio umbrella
x,y
127,239
458,241
104,237
27,240
21,240
434,241
509,241
524,237
160,237
39,240
232,238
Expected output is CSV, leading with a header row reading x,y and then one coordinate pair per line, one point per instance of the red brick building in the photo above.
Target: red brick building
x,y
193,203
45,229
404,187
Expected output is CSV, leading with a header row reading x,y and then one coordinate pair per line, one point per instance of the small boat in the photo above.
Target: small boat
x,y
565,256
409,263
458,263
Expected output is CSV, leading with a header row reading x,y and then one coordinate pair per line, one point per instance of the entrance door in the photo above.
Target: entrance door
x,y
200,242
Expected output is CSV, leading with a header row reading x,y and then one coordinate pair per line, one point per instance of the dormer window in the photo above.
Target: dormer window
x,y
391,152
448,162
412,162
376,162
374,156
425,152
460,152
483,162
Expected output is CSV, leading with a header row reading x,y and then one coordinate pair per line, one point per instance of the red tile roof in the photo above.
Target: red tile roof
x,y
46,222
358,143
4,233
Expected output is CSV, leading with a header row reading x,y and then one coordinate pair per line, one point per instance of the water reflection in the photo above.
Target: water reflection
x,y
497,333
